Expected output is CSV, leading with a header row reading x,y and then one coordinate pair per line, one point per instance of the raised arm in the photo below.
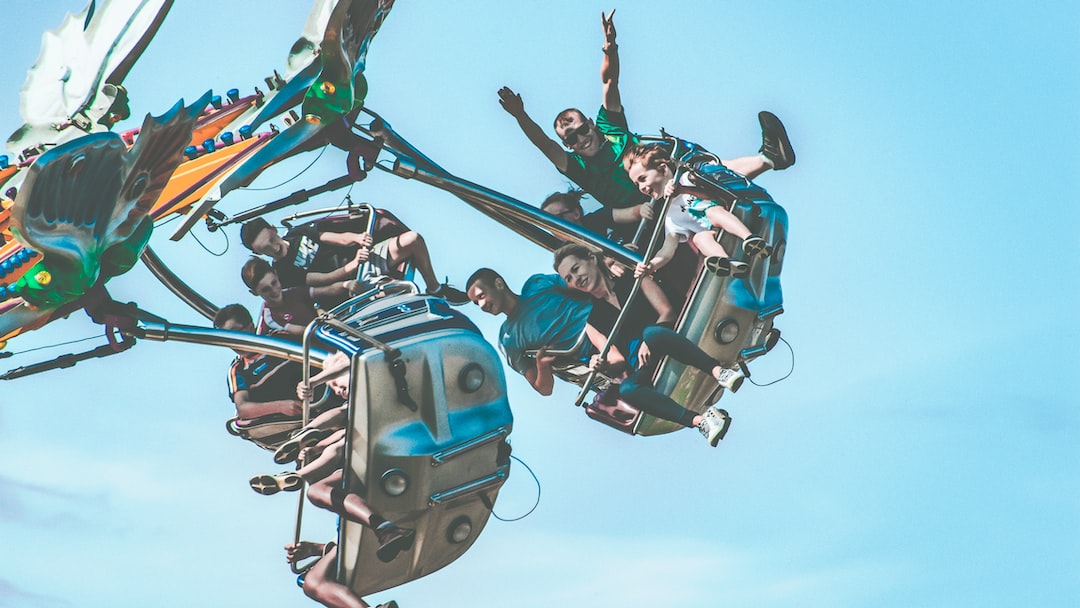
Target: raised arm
x,y
511,102
609,67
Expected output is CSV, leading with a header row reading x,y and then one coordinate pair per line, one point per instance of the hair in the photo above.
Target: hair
x,y
651,156
486,275
563,117
584,252
250,230
571,197
232,312
254,270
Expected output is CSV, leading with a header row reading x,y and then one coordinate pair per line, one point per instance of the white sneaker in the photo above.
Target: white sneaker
x,y
731,379
714,425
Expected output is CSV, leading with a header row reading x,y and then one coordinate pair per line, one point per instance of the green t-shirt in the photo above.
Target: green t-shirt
x,y
602,175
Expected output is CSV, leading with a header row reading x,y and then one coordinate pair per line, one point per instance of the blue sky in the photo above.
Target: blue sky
x,y
923,452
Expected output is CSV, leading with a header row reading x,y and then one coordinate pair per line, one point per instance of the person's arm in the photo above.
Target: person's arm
x,y
664,310
295,552
344,273
346,239
334,365
247,409
511,102
661,258
609,67
541,377
636,213
614,357
339,289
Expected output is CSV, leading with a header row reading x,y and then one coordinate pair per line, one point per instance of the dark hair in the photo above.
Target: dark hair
x,y
250,230
571,197
486,275
584,252
232,312
254,270
651,156
564,116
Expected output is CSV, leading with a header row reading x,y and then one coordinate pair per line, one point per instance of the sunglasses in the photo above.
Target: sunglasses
x,y
572,136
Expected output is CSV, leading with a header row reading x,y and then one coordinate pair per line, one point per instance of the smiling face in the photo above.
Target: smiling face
x,y
650,182
488,296
582,274
268,288
268,243
339,385
579,134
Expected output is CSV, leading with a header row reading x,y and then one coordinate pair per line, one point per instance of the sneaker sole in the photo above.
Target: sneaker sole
x,y
292,448
388,552
771,124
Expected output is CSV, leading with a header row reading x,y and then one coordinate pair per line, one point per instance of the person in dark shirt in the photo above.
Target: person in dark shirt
x,y
287,310
320,254
642,340
592,158
259,385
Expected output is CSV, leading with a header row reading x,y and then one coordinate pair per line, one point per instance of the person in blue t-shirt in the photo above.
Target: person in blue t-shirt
x,y
546,316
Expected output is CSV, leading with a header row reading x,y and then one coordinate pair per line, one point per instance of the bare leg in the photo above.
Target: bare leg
x,y
723,219
319,585
325,464
750,166
328,494
330,419
706,243
410,245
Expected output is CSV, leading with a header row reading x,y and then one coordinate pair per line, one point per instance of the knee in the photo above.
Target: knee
x,y
655,334
408,241
311,587
322,495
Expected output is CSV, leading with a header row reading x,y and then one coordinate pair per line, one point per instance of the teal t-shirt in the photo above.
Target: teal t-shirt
x,y
602,175
547,313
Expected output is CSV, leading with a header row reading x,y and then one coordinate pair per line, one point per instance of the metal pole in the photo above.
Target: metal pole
x,y
364,268
630,298
181,289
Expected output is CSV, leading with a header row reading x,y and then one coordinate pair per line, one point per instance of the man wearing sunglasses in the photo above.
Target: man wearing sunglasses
x,y
594,149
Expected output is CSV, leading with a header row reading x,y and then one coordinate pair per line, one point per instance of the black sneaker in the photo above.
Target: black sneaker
x,y
775,144
454,296
754,246
724,267
392,540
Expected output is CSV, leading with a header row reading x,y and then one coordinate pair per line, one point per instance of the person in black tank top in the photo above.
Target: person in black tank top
x,y
643,339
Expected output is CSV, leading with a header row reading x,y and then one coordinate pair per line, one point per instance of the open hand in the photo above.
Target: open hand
x,y
511,102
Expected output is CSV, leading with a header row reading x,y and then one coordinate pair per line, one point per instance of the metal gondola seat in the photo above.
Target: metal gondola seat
x,y
429,422
728,318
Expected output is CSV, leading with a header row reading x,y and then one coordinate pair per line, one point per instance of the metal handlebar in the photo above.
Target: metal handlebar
x,y
649,251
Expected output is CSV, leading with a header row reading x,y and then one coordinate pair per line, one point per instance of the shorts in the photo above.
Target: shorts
x,y
378,263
